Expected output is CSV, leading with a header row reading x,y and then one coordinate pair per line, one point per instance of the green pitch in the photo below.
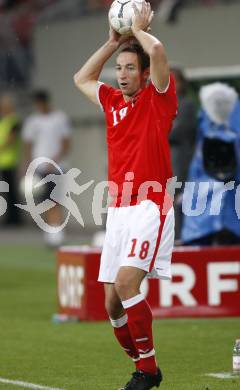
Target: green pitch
x,y
85,356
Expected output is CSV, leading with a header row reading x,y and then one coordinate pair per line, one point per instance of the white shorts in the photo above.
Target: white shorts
x,y
137,236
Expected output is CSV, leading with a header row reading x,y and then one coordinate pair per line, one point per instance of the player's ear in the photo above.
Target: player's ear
x,y
146,74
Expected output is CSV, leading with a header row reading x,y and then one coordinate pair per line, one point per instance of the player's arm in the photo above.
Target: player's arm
x,y
159,68
86,78
65,147
27,156
12,137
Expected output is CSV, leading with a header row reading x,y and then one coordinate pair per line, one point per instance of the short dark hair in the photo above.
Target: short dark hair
x,y
143,57
41,95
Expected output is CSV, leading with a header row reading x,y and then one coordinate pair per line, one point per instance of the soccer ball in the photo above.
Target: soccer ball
x,y
121,13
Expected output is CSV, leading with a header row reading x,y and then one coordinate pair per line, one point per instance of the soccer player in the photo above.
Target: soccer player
x,y
140,224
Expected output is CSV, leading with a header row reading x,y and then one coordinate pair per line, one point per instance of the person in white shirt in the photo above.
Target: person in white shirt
x,y
47,133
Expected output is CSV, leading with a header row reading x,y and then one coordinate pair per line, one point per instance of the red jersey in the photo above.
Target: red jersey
x,y
137,138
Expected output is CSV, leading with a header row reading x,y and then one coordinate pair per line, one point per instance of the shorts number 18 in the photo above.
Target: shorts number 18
x,y
143,251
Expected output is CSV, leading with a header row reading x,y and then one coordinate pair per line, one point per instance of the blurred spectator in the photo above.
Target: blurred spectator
x,y
169,9
182,140
16,32
9,155
215,171
47,133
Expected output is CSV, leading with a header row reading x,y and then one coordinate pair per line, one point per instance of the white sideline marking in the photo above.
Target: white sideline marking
x,y
223,375
27,385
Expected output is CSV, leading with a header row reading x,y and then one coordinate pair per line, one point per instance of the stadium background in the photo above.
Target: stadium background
x,y
204,39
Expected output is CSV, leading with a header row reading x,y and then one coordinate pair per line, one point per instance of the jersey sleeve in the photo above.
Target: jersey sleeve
x,y
167,99
104,93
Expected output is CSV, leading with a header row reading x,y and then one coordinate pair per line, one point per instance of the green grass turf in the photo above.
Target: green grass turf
x,y
85,356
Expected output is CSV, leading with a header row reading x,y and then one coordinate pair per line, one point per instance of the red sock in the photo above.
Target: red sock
x,y
140,327
124,338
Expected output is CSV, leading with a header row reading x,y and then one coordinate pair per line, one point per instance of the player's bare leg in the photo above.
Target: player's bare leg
x,y
139,317
53,217
113,303
128,282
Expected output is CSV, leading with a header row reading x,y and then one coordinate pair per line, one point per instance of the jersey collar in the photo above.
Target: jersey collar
x,y
135,97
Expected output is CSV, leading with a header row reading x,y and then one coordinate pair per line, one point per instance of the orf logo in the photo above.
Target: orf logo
x,y
70,286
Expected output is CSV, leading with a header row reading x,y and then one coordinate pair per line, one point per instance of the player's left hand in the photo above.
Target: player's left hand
x,y
117,38
142,19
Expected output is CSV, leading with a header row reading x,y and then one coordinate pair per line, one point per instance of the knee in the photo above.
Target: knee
x,y
128,282
124,289
121,286
114,308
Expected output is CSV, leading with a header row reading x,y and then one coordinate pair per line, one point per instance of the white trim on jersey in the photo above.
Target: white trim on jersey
x,y
99,83
165,90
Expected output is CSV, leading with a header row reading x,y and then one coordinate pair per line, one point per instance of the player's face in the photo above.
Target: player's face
x,y
130,77
41,106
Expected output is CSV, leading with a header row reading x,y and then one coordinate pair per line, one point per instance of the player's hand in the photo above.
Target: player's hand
x,y
142,19
115,37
